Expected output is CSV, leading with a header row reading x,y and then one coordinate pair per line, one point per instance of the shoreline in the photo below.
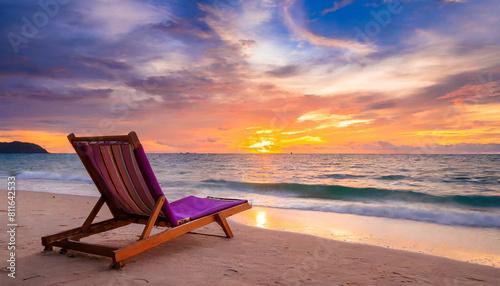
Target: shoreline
x,y
467,244
279,257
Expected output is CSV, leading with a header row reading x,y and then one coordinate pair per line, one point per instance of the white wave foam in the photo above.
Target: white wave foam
x,y
448,217
26,175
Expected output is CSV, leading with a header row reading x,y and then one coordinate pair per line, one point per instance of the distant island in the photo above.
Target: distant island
x,y
20,147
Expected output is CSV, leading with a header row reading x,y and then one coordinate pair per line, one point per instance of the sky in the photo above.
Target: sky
x,y
254,76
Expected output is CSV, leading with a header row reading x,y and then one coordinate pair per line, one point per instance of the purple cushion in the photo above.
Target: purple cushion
x,y
194,207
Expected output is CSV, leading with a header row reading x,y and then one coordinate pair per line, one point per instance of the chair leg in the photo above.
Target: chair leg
x,y
221,220
152,219
117,265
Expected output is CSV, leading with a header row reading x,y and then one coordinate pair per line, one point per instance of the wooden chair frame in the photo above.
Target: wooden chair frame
x,y
70,239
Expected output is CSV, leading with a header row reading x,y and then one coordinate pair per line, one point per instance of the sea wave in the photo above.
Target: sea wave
x,y
27,175
479,180
339,176
343,193
392,177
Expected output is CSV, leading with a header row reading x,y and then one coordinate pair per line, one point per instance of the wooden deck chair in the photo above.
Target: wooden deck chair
x,y
121,172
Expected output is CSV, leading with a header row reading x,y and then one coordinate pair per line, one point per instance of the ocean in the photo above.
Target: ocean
x,y
462,190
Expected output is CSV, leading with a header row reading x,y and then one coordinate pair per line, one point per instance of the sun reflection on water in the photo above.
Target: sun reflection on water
x,y
261,219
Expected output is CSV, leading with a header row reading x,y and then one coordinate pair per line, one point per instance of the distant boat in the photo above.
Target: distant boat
x,y
291,153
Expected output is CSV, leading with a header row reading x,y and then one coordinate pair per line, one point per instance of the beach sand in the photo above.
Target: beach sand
x,y
255,256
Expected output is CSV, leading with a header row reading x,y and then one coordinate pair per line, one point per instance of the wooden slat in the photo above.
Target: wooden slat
x,y
153,217
77,232
92,248
93,214
101,228
47,240
119,138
